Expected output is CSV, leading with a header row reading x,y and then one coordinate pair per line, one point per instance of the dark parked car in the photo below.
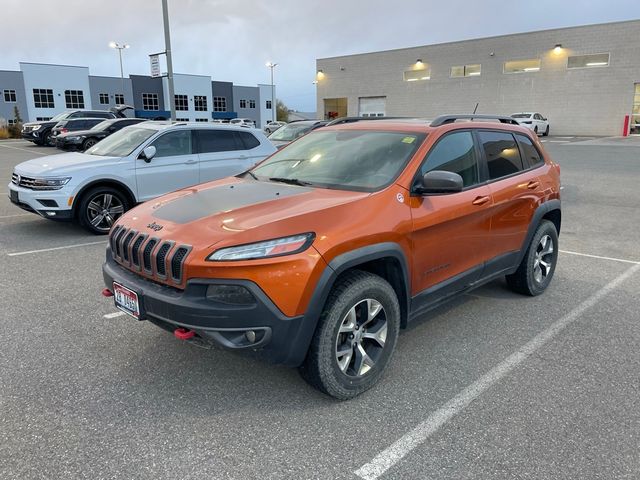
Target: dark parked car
x,y
294,130
83,139
73,125
40,132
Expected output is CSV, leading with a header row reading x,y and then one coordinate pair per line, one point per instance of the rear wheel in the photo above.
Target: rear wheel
x,y
539,263
535,130
88,143
546,132
100,207
48,139
355,337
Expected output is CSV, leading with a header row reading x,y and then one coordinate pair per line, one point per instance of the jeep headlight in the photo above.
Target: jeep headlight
x,y
47,183
267,249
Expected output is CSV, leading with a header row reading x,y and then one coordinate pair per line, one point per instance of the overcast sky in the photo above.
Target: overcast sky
x,y
232,39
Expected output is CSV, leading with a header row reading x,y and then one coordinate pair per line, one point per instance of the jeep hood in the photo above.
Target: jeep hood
x,y
64,163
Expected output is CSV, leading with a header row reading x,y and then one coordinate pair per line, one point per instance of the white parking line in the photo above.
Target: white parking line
x,y
598,256
15,254
16,215
23,149
114,315
405,444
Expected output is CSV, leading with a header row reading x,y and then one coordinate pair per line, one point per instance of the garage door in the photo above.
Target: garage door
x,y
372,106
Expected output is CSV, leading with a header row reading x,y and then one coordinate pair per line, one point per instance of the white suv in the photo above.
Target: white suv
x,y
133,165
243,122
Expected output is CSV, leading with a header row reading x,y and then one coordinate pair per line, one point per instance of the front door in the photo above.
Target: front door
x,y
450,231
173,167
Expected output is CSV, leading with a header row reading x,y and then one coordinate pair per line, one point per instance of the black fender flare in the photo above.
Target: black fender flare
x,y
540,212
337,266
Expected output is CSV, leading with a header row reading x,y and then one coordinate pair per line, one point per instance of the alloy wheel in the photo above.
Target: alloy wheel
x,y
361,338
543,259
103,210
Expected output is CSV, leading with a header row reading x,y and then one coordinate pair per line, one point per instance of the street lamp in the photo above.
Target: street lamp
x,y
272,65
120,47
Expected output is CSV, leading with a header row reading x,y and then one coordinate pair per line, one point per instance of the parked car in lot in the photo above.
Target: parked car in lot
x,y
84,139
73,125
40,132
133,165
294,130
273,126
318,256
243,122
534,121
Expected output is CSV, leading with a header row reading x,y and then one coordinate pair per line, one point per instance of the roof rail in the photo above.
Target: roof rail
x,y
444,119
341,120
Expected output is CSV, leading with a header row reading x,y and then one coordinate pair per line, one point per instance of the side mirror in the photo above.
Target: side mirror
x,y
148,153
439,181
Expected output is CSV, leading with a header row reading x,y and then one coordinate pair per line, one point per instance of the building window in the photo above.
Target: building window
x,y
202,120
268,104
43,98
150,101
43,119
182,119
466,70
74,98
243,104
200,102
415,75
11,121
104,98
119,99
588,61
522,66
219,104
252,104
9,95
182,102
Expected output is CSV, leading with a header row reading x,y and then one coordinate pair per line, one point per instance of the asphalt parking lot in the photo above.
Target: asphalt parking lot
x,y
493,385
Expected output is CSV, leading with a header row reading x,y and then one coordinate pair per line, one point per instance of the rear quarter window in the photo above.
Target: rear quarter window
x,y
248,140
530,154
502,154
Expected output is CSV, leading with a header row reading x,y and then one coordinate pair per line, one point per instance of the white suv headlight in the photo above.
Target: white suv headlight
x,y
35,127
48,183
269,248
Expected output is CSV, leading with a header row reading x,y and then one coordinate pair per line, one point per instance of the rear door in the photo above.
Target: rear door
x,y
222,153
174,166
451,232
515,188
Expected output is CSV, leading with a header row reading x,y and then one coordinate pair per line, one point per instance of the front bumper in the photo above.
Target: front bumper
x,y
32,136
214,322
50,204
66,143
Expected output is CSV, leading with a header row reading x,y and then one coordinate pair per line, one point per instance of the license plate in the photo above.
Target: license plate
x,y
13,195
126,300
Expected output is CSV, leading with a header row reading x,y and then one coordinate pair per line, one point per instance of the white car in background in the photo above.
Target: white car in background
x,y
243,122
271,127
133,165
533,120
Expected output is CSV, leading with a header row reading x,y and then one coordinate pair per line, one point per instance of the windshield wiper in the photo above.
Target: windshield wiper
x,y
291,181
255,177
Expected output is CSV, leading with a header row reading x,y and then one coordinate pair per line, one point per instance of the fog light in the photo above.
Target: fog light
x,y
51,214
251,336
230,294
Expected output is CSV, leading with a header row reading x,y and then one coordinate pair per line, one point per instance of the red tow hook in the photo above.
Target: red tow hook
x,y
107,293
184,334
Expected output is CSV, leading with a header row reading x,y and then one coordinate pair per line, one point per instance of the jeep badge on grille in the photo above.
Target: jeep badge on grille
x,y
154,226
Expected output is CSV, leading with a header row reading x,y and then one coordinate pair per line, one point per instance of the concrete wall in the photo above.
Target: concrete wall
x,y
586,101
57,78
110,86
190,85
13,81
247,93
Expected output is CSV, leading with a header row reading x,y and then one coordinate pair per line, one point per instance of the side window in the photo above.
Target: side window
x,y
248,140
218,141
173,143
530,154
76,115
454,153
501,151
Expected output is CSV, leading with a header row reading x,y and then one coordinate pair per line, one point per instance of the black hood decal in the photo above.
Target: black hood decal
x,y
223,198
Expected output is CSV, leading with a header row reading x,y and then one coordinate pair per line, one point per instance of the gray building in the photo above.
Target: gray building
x,y
107,92
12,95
584,79
222,93
246,103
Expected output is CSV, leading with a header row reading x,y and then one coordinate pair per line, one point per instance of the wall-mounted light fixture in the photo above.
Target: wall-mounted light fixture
x,y
557,49
319,75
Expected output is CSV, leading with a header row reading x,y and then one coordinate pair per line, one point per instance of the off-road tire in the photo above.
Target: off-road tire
x,y
320,368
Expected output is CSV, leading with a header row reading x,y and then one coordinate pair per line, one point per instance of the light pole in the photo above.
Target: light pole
x,y
272,65
120,47
167,51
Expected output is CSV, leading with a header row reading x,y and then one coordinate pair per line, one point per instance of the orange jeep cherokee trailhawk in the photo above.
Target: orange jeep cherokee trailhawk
x,y
319,255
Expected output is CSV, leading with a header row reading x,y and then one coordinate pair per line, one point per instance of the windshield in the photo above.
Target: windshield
x,y
122,142
102,125
344,159
290,132
521,115
60,116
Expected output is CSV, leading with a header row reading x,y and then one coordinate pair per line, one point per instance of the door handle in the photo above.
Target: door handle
x,y
533,184
481,200
190,162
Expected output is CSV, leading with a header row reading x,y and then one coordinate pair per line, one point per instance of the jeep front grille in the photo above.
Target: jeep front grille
x,y
148,256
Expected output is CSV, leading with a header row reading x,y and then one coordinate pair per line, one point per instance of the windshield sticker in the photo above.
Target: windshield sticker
x,y
408,139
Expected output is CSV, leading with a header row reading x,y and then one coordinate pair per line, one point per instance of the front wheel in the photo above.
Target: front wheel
x,y
539,263
100,207
546,132
48,139
355,337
